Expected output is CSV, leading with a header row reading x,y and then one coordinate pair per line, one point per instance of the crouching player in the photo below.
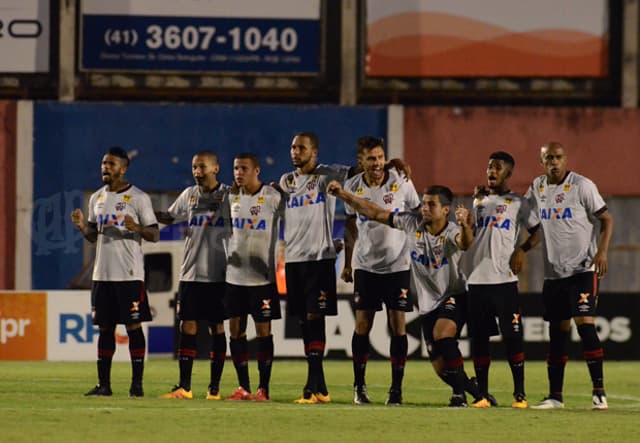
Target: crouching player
x,y
435,277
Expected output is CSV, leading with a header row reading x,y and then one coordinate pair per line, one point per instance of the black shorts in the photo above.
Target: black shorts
x,y
262,302
311,288
486,302
453,308
371,290
201,301
119,302
575,296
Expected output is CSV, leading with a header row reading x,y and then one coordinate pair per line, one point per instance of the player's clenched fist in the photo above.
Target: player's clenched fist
x,y
77,218
130,224
463,216
334,188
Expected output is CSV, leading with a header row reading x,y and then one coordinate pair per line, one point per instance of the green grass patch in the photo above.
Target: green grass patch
x,y
43,401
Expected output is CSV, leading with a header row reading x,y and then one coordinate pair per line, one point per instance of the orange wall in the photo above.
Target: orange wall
x,y
450,146
7,193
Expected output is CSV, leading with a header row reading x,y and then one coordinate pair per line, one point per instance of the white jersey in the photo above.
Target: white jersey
x,y
310,213
208,232
118,252
567,213
381,249
435,270
255,219
498,222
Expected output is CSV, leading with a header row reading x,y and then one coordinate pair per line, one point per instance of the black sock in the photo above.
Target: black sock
x,y
240,356
360,352
265,361
186,354
216,358
481,363
315,355
136,352
453,373
106,349
593,354
557,360
398,351
515,354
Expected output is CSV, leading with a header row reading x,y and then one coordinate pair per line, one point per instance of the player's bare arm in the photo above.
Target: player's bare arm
x,y
517,258
164,217
149,233
606,230
88,230
350,237
465,221
362,206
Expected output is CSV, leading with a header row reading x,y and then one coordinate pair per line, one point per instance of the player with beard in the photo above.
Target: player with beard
x,y
120,216
202,274
493,284
381,263
310,252
435,249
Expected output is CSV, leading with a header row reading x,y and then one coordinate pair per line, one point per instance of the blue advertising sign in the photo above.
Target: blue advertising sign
x,y
202,42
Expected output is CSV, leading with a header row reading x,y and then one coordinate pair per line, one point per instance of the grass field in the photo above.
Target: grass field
x,y
42,401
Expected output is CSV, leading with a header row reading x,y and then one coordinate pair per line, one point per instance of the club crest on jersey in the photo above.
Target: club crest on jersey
x,y
559,198
387,198
305,200
395,187
418,235
192,200
508,201
540,188
100,197
261,200
566,187
290,180
311,184
501,209
236,199
359,191
120,206
254,210
126,198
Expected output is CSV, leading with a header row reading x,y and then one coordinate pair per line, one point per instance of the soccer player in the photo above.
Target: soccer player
x,y
493,284
201,292
310,254
381,264
435,249
568,205
256,210
120,216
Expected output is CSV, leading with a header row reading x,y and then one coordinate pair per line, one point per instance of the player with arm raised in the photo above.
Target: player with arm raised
x,y
435,248
201,292
120,216
491,275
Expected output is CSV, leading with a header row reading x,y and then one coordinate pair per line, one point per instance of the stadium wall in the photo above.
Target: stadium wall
x,y
450,145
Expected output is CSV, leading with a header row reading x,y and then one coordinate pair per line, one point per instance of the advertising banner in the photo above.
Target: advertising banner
x,y
23,326
71,336
491,38
224,36
24,36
